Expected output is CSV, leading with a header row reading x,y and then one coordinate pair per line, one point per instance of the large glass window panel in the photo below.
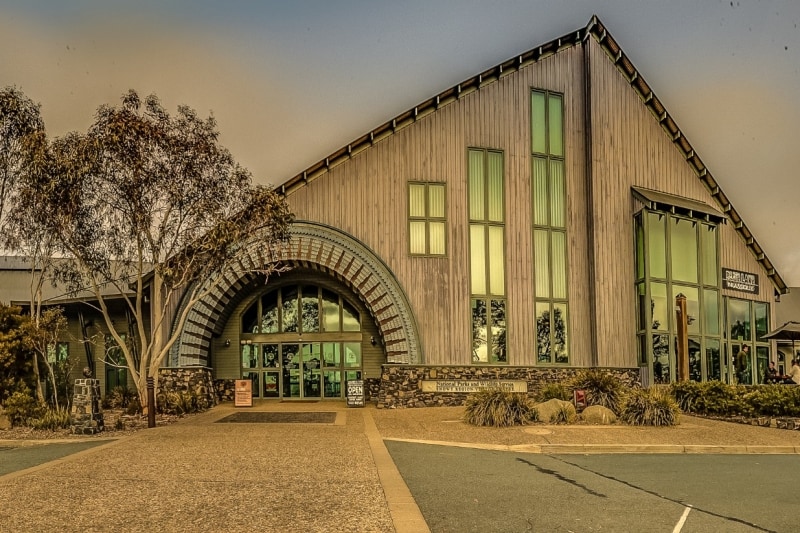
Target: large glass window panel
x,y
271,381
331,355
538,137
738,319
660,306
713,361
708,235
350,317
692,306
269,312
641,307
639,247
250,319
352,354
499,331
541,259
477,234
436,201
695,356
559,324
559,245
543,338
310,308
683,249
761,311
332,384
290,354
661,358
330,311
479,332
555,125
271,358
762,361
416,200
436,243
249,356
495,187
416,237
657,245
289,309
253,377
711,312
312,374
497,279
541,212
558,197
476,186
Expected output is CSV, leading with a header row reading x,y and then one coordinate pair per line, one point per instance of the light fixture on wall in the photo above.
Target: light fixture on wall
x,y
372,340
227,342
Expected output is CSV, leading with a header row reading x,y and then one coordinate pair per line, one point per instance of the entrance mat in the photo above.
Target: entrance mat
x,y
281,418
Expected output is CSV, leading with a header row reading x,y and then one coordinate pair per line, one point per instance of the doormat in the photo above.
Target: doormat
x,y
281,418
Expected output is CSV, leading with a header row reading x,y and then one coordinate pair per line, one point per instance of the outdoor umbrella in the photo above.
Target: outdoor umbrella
x,y
787,332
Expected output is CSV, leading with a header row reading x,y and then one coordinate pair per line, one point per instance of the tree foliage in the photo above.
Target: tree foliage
x,y
147,208
15,361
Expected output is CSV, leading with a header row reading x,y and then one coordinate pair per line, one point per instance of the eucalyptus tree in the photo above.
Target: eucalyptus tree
x,y
148,209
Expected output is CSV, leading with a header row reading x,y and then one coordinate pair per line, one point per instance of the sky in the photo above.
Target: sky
x,y
289,82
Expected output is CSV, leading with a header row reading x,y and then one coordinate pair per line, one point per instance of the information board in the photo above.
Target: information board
x,y
355,393
243,393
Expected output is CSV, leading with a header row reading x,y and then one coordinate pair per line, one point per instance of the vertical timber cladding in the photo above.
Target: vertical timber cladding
x,y
330,251
366,196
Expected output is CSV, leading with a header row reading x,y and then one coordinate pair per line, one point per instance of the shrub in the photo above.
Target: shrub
x,y
52,419
119,398
499,409
601,388
181,402
650,407
22,406
565,414
710,398
551,391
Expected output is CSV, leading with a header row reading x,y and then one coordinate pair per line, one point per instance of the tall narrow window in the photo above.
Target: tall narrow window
x,y
487,256
548,183
426,220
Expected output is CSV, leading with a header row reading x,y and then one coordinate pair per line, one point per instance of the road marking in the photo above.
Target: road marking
x,y
682,521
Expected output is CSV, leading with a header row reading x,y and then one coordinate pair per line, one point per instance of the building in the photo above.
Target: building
x,y
538,218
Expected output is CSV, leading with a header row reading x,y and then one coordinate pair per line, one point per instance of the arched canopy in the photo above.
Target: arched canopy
x,y
321,248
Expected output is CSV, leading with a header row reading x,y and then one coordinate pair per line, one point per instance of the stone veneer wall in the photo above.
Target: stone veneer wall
x,y
192,379
400,384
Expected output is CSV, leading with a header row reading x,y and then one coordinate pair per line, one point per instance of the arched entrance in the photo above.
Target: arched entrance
x,y
312,247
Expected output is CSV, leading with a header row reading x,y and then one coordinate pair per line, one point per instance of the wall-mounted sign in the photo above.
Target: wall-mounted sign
x,y
243,393
739,281
472,386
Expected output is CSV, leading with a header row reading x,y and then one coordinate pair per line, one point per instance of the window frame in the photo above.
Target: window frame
x,y
427,218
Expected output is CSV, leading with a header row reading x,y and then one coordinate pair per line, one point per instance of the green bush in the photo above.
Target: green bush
x,y
498,408
181,402
601,388
52,419
650,407
551,391
21,406
713,398
772,400
119,398
565,414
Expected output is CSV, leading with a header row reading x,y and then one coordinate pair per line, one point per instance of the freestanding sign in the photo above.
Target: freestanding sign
x,y
355,393
243,393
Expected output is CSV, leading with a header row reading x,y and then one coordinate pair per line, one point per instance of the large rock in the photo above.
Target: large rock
x,y
551,409
598,414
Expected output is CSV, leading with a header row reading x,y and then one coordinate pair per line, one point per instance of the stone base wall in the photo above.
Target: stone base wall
x,y
192,379
86,416
400,385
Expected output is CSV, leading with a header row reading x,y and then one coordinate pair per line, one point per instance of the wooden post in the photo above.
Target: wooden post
x,y
682,326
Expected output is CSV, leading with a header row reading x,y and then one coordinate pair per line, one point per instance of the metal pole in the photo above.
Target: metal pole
x,y
151,403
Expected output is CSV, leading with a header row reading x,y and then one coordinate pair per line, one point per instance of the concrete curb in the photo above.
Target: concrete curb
x,y
556,449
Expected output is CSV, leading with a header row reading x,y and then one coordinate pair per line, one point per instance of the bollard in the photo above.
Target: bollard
x,y
151,403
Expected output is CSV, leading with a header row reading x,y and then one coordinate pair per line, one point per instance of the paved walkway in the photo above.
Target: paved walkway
x,y
199,475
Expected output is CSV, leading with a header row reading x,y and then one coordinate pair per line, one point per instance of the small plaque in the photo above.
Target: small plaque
x,y
355,393
243,393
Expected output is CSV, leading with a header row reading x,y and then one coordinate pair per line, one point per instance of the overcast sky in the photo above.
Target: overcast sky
x,y
291,81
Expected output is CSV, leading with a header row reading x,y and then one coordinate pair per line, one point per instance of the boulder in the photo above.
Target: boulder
x,y
598,414
549,411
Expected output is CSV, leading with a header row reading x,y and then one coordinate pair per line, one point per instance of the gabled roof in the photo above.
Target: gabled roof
x,y
598,31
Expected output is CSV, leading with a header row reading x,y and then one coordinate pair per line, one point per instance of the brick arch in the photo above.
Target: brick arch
x,y
316,247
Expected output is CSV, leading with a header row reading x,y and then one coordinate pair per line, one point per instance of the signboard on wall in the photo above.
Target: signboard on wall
x,y
737,280
472,386
243,393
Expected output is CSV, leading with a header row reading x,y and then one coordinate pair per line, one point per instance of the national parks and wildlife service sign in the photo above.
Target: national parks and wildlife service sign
x,y
472,386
